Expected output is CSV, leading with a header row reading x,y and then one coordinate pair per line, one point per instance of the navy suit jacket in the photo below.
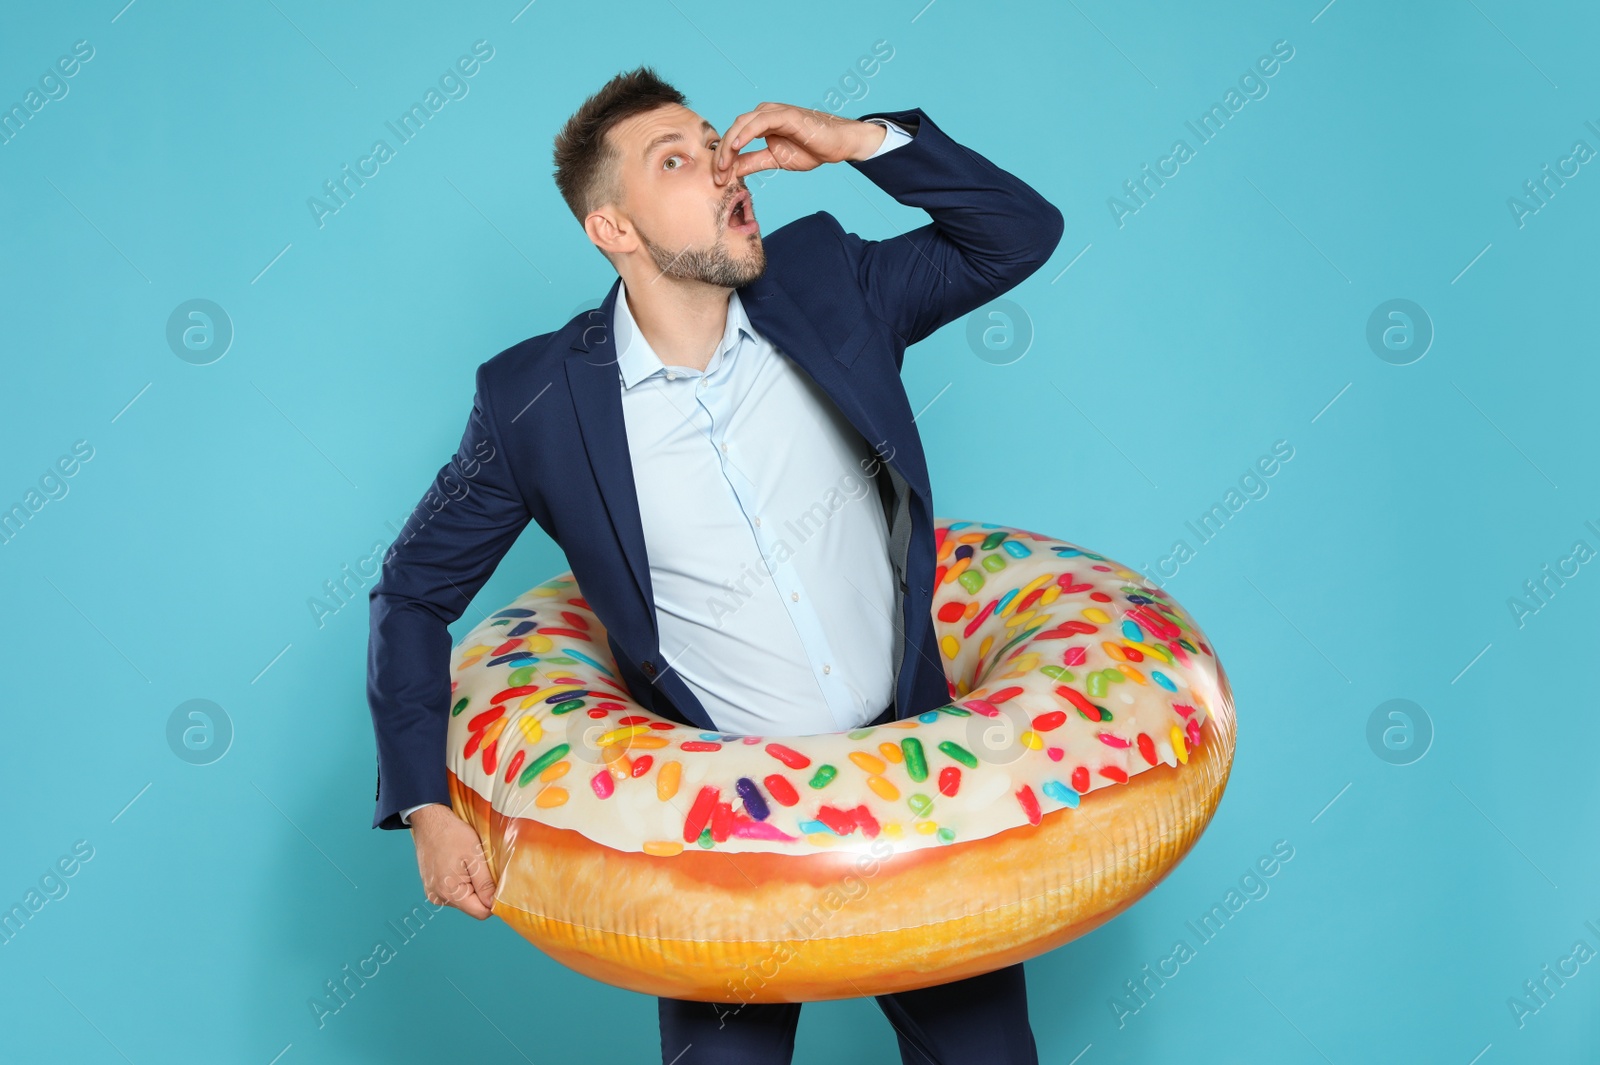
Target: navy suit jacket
x,y
546,442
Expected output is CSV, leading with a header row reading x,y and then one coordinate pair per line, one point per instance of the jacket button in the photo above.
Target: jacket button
x,y
649,669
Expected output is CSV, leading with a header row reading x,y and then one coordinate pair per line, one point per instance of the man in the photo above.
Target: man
x,y
727,456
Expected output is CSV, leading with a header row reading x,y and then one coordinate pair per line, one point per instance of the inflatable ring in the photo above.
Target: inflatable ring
x,y
1086,745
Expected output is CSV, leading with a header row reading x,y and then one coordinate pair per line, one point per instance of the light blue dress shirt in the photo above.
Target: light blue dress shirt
x,y
768,548
766,538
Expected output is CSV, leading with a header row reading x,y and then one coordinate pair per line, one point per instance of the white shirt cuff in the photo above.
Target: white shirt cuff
x,y
892,139
405,815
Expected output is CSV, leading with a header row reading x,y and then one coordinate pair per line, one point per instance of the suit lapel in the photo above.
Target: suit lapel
x,y
597,399
777,317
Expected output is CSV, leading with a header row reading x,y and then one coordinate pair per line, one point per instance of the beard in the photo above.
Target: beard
x,y
714,265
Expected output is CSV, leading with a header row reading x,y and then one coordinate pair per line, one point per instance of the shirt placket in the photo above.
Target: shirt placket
x,y
710,391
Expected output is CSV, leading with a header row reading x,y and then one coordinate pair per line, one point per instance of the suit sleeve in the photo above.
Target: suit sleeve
x,y
448,549
990,231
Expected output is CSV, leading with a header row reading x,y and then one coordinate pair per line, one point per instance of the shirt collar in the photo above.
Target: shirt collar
x,y
636,360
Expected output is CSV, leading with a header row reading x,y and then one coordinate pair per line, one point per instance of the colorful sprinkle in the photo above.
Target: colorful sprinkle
x,y
515,764
959,753
754,803
667,781
1147,748
1029,803
1049,721
700,813
482,720
916,763
781,790
1058,791
788,756
868,763
543,762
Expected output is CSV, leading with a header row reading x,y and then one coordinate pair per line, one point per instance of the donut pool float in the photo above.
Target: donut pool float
x,y
1086,744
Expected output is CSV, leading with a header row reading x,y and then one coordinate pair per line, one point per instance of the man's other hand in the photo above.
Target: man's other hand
x,y
450,859
798,138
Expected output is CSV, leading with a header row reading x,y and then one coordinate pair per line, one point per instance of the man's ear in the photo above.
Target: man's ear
x,y
609,231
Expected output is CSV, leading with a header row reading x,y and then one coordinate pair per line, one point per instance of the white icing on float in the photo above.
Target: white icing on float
x,y
1069,673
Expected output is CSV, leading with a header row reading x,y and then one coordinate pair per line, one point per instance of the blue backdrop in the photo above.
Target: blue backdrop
x,y
1372,261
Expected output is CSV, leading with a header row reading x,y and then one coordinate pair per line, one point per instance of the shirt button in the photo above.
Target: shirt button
x,y
724,449
758,521
672,377
827,668
795,596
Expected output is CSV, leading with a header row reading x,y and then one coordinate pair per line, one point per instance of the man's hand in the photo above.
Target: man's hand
x,y
798,138
450,859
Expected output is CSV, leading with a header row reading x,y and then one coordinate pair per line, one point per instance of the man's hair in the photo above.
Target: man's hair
x,y
587,164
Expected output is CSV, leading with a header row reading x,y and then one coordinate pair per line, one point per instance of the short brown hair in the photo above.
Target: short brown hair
x,y
586,163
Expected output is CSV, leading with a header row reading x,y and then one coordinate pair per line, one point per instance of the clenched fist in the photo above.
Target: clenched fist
x,y
450,859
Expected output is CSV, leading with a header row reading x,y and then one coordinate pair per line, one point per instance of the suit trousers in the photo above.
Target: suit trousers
x,y
980,1019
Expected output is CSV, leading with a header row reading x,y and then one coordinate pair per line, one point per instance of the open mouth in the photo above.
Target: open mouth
x,y
741,215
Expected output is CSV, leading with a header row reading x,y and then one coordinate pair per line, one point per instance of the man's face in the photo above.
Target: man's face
x,y
691,227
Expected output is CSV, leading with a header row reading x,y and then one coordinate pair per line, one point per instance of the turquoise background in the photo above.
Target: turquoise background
x,y
1149,366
